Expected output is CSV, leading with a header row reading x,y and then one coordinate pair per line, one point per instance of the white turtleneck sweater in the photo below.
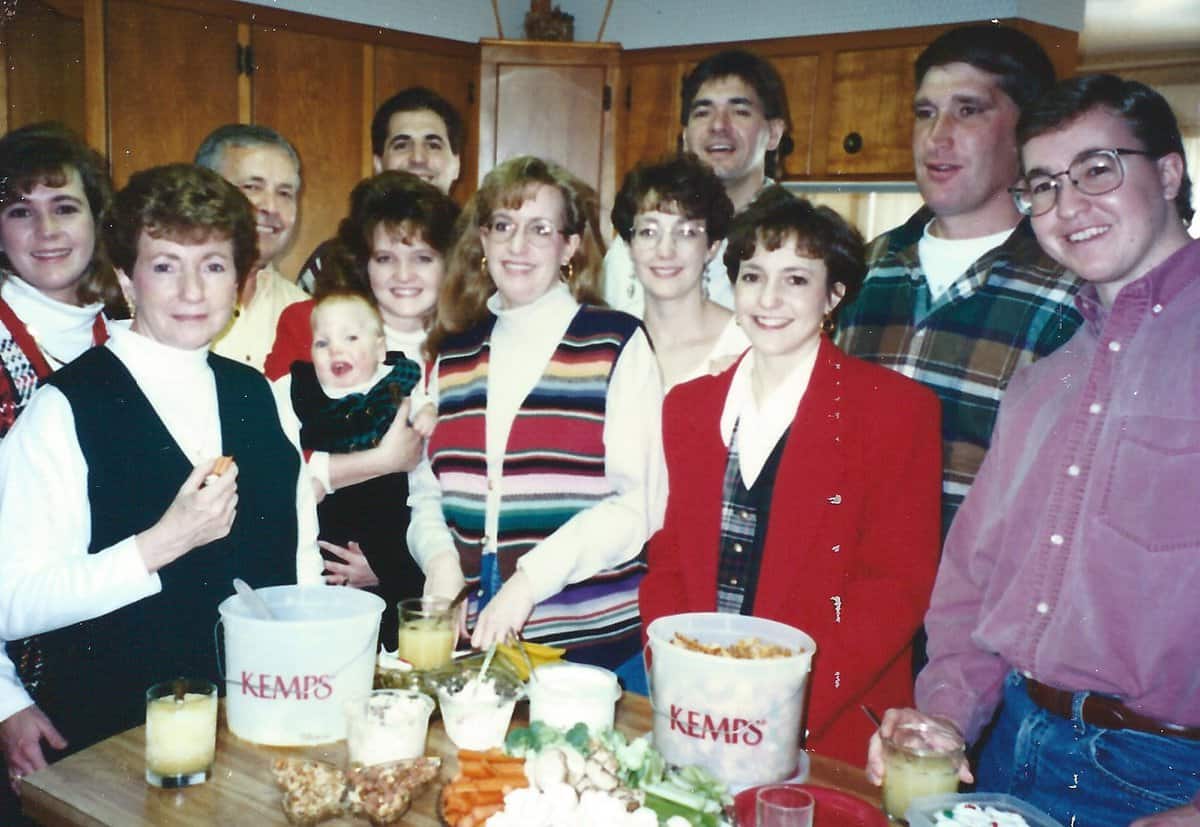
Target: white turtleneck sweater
x,y
48,579
611,531
62,331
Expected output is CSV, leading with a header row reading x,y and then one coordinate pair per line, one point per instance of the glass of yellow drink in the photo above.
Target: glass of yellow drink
x,y
920,759
181,732
427,632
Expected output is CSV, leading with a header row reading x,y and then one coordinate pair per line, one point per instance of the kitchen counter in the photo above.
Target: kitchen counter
x,y
105,784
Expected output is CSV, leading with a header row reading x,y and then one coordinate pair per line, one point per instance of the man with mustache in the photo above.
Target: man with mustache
x,y
961,295
266,168
735,119
415,130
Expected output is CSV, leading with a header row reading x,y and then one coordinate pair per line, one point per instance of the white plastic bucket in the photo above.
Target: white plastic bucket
x,y
564,694
739,719
287,679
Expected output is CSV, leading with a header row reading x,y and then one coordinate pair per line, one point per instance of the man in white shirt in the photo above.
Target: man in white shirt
x,y
266,168
734,115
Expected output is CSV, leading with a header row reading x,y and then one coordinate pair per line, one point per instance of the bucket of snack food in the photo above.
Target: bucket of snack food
x,y
728,693
288,678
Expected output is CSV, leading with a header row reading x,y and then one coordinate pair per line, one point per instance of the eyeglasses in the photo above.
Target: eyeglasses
x,y
539,232
1093,173
682,233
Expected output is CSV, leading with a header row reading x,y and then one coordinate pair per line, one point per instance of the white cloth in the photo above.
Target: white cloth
x,y
623,291
609,532
48,579
62,331
733,341
759,427
945,259
251,332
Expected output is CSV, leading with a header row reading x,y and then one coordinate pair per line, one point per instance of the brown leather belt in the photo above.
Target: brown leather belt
x,y
1103,711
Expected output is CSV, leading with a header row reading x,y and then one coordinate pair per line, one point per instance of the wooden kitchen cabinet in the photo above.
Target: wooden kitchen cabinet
x,y
555,101
172,78
41,64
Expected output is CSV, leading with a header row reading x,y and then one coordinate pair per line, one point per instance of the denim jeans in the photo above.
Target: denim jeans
x,y
1083,776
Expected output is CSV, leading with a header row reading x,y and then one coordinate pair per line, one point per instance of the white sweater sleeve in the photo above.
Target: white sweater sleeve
x,y
47,577
428,535
614,530
309,563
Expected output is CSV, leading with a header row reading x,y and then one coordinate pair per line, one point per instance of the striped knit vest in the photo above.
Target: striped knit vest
x,y
553,469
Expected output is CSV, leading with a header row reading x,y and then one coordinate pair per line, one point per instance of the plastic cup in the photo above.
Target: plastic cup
x,y
181,732
427,632
919,759
387,725
783,805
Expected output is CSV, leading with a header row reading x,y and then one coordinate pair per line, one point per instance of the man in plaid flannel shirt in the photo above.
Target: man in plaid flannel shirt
x,y
961,295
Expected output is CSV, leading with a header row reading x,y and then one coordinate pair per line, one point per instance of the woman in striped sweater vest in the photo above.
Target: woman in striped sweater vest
x,y
545,475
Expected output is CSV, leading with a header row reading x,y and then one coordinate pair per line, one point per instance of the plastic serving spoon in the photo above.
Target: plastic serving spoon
x,y
258,607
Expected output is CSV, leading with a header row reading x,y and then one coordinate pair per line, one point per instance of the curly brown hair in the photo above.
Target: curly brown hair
x,y
463,300
404,205
680,183
45,154
184,202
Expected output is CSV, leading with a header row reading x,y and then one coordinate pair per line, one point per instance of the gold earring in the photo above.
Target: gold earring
x,y
483,271
132,305
827,324
570,268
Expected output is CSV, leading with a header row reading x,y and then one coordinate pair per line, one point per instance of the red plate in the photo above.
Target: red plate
x,y
834,809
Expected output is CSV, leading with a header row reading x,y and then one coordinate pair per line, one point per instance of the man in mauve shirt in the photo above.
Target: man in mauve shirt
x,y
1066,597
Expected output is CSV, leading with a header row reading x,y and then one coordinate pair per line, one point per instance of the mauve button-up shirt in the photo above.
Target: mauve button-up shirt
x,y
1076,556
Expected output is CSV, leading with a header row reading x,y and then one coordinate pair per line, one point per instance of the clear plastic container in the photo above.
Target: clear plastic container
x,y
564,694
923,811
920,759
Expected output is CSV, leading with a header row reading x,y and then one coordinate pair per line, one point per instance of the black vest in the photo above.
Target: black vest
x,y
97,671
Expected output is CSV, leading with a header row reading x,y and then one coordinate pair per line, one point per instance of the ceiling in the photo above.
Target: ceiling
x,y
1112,27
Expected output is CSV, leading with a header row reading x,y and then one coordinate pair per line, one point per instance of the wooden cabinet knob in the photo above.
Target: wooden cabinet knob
x,y
852,143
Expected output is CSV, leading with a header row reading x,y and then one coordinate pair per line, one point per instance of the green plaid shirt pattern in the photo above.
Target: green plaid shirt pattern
x,y
1012,306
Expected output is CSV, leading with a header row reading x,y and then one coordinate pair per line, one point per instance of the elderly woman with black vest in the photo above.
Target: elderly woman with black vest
x,y
116,538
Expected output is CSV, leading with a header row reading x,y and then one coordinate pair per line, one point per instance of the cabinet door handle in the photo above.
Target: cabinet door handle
x,y
852,143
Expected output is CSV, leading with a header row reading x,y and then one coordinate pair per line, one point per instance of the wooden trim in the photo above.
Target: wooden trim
x,y
325,26
3,87
245,84
95,76
368,108
544,52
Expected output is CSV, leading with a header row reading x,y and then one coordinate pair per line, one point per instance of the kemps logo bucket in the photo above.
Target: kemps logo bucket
x,y
286,679
740,719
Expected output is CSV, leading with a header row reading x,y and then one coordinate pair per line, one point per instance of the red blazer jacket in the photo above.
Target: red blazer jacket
x,y
853,537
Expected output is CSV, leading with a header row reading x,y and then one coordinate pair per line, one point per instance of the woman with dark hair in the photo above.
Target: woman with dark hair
x,y
117,537
545,470
54,285
674,215
804,483
391,250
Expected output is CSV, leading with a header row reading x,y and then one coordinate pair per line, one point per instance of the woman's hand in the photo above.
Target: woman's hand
x,y
894,718
202,511
21,736
400,448
444,578
506,614
354,570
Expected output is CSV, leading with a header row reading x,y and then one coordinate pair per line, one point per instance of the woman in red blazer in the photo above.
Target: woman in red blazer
x,y
804,483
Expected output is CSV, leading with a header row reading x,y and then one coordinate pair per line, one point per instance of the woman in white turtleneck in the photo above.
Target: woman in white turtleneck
x,y
544,475
117,541
52,284
674,214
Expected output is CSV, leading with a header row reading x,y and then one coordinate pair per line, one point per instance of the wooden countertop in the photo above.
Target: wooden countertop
x,y
105,784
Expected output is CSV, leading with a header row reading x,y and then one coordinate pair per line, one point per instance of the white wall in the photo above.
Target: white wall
x,y
639,24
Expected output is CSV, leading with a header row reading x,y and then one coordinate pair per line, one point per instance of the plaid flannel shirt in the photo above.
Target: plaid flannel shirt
x,y
1012,306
